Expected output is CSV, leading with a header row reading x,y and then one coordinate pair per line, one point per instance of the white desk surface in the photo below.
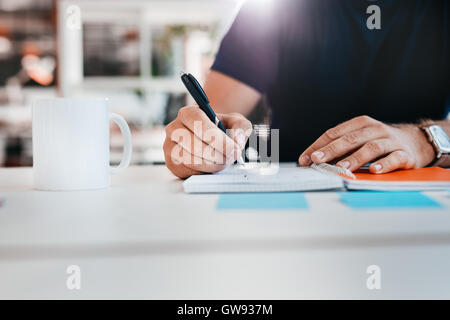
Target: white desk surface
x,y
144,238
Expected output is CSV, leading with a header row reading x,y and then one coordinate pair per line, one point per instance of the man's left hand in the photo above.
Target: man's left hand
x,y
361,140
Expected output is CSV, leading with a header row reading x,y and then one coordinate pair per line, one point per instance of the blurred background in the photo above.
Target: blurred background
x,y
130,51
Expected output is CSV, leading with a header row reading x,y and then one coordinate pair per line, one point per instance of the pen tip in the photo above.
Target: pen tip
x,y
182,73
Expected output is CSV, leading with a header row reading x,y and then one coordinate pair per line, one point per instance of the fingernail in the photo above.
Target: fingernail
x,y
237,152
231,159
344,164
305,160
318,155
377,167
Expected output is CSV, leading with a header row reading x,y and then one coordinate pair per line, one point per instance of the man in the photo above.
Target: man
x,y
362,92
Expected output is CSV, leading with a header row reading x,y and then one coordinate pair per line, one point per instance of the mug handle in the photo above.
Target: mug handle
x,y
127,144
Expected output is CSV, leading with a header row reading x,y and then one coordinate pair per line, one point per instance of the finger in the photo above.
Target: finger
x,y
234,121
368,152
239,136
206,166
396,160
333,134
192,144
178,169
201,150
238,127
348,143
177,132
196,121
179,156
181,171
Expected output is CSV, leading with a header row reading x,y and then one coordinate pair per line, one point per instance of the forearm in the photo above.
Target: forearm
x,y
228,95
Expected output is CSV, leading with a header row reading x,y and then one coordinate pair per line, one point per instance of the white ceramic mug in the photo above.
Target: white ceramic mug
x,y
71,144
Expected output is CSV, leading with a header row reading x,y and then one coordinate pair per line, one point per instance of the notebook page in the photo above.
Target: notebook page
x,y
239,179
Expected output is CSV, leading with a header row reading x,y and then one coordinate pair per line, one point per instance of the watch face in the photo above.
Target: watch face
x,y
441,138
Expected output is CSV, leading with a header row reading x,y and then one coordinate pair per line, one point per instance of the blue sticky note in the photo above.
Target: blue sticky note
x,y
388,200
262,201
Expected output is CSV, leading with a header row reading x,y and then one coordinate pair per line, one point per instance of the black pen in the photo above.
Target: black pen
x,y
199,95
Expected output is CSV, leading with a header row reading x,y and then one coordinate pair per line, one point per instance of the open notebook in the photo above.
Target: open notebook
x,y
292,178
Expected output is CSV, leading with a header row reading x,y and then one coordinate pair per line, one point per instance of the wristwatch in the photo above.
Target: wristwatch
x,y
440,142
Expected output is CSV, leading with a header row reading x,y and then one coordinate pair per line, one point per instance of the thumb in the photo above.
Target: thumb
x,y
238,127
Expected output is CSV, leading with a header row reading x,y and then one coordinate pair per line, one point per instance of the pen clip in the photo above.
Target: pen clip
x,y
198,87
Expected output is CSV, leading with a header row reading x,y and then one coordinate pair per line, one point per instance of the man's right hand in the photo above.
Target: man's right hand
x,y
195,145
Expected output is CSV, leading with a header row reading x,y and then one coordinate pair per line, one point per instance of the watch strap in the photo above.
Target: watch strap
x,y
443,161
440,161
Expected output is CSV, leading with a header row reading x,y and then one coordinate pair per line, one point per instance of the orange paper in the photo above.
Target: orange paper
x,y
429,174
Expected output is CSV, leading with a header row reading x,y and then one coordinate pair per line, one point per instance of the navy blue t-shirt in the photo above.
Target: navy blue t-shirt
x,y
319,64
